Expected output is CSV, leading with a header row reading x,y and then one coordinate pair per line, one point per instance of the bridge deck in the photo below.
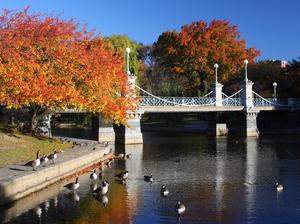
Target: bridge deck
x,y
182,109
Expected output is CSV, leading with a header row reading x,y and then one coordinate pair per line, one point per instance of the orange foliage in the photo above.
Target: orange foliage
x,y
194,50
51,63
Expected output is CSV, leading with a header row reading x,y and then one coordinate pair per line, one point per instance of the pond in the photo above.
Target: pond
x,y
219,180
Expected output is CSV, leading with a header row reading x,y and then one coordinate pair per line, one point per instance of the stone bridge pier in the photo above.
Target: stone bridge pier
x,y
132,133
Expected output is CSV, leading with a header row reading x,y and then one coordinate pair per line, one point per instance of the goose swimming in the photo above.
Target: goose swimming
x,y
73,186
148,178
94,175
164,191
122,175
180,208
279,187
103,189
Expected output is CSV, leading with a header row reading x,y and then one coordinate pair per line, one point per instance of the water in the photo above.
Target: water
x,y
223,180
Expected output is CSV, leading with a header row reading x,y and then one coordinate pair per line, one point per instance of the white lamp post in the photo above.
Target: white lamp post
x,y
128,50
274,85
246,75
216,69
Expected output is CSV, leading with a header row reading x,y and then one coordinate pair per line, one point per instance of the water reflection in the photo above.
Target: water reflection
x,y
223,180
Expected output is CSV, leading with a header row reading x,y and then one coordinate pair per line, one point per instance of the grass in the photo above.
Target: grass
x,y
17,147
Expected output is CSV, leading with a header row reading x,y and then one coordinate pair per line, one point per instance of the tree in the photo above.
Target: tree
x,y
290,82
118,44
49,65
192,52
262,73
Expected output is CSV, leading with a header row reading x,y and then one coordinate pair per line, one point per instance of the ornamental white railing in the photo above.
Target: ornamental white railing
x,y
258,100
233,100
148,99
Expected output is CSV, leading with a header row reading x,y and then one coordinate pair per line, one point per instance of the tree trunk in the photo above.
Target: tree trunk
x,y
34,121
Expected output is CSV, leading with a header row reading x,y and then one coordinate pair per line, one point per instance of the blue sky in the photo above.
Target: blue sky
x,y
272,26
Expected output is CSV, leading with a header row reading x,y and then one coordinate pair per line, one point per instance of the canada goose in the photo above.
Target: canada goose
x,y
164,191
38,211
128,156
279,187
53,156
44,160
180,208
148,178
73,186
93,175
34,163
103,189
121,156
122,175
109,163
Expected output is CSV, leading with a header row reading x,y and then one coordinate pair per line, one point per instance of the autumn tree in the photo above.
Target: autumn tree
x,y
189,55
48,65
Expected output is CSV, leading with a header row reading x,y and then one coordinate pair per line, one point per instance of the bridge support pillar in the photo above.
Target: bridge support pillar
x,y
214,127
106,131
249,128
131,134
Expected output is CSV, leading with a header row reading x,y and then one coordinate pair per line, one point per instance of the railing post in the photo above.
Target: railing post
x,y
217,93
247,94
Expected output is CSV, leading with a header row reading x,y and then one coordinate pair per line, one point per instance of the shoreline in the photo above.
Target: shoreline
x,y
18,181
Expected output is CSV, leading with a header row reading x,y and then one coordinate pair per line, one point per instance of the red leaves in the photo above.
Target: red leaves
x,y
52,63
196,48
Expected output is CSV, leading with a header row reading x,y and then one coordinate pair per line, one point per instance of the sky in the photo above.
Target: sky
x,y
272,26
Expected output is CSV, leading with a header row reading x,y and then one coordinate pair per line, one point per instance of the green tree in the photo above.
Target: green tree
x,y
118,44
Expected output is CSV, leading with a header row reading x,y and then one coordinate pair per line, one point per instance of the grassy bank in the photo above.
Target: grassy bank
x,y
17,147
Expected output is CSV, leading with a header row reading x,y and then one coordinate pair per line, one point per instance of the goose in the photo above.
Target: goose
x,y
279,187
122,175
73,186
93,175
121,156
164,191
128,156
180,208
103,189
94,186
109,163
53,156
44,160
34,163
148,178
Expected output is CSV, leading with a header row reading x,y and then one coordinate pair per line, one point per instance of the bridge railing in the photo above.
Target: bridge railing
x,y
258,100
176,101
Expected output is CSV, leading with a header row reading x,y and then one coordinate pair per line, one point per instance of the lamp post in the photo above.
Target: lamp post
x,y
127,60
274,86
216,69
246,75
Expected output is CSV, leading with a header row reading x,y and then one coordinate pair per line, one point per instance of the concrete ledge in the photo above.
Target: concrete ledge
x,y
19,181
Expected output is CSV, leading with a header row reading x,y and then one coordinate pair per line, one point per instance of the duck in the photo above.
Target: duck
x,y
103,189
148,178
53,156
128,156
164,191
122,175
34,163
279,187
44,160
73,186
180,208
93,175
